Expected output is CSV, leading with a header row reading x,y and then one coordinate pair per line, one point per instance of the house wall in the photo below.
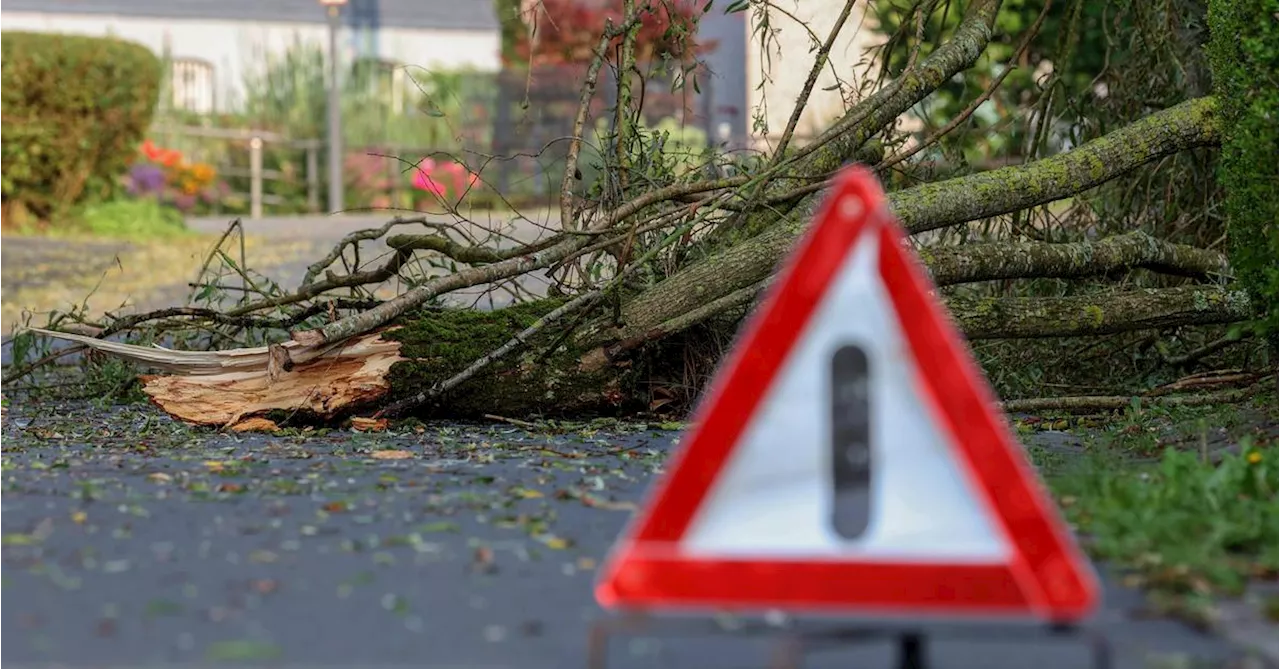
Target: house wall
x,y
773,85
232,47
726,85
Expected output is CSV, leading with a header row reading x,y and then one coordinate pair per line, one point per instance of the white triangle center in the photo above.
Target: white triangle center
x,y
775,496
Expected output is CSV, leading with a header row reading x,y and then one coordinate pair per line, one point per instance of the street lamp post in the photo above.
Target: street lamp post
x,y
334,10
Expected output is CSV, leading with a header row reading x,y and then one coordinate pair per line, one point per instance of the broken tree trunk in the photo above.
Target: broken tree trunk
x,y
428,347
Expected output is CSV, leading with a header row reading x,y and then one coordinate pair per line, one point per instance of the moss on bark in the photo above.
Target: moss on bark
x,y
950,265
1109,313
441,343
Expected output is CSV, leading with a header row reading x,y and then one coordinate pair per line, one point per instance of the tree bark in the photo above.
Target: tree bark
x,y
574,382
1108,313
950,265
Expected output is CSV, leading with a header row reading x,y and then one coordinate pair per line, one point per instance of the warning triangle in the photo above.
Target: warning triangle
x,y
849,457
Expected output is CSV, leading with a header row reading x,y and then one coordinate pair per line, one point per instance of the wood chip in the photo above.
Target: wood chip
x,y
392,455
257,424
360,424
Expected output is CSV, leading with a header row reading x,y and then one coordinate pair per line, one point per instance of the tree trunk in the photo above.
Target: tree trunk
x,y
573,381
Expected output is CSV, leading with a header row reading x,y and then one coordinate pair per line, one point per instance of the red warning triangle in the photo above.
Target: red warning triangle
x,y
849,457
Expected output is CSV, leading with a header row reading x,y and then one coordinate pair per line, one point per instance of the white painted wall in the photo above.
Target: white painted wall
x,y
233,47
773,84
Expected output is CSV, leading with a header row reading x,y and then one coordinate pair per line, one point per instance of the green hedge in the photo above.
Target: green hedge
x,y
1242,53
74,111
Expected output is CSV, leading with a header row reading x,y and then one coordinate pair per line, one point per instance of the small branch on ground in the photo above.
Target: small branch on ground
x,y
1105,403
358,236
1151,308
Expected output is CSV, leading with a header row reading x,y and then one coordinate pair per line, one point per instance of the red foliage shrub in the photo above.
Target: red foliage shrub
x,y
568,31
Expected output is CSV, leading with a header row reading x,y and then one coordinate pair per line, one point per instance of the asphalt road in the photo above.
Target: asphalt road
x,y
134,541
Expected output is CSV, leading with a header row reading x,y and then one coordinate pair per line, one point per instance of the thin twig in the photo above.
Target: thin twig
x,y
213,252
363,235
27,369
580,121
1195,355
819,61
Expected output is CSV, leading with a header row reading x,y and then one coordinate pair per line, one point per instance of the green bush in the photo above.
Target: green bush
x,y
75,110
1242,54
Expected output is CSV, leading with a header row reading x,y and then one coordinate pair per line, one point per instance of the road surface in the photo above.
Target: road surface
x,y
134,541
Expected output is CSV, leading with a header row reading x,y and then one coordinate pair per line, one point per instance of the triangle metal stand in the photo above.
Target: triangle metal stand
x,y
793,644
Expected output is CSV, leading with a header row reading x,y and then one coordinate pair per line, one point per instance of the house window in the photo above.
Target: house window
x,y
192,87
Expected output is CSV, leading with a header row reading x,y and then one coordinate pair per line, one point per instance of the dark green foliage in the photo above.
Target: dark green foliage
x,y
1242,53
75,110
1102,66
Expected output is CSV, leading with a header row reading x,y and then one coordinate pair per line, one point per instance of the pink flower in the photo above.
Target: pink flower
x,y
424,182
433,177
422,178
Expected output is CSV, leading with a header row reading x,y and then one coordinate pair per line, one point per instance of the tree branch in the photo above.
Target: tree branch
x,y
951,265
472,255
1100,403
936,205
1151,308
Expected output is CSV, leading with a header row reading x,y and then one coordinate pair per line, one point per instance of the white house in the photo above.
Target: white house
x,y
212,43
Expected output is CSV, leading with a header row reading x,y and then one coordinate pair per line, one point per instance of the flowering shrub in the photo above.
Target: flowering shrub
x,y
445,179
167,176
368,179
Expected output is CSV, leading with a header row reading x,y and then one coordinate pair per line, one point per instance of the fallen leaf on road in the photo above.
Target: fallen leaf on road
x,y
159,477
391,454
79,517
369,424
556,543
255,425
527,493
483,560
265,586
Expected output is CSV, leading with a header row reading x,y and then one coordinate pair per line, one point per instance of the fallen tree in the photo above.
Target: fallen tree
x,y
654,269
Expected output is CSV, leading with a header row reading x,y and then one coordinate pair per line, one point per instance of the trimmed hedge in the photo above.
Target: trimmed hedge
x,y
1242,54
74,111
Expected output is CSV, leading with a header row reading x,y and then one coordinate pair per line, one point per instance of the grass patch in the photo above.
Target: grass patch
x,y
1187,519
129,219
132,219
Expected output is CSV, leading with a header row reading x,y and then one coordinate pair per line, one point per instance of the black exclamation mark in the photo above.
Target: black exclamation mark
x,y
851,441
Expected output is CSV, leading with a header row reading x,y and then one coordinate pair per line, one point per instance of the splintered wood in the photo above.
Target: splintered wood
x,y
344,377
233,388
